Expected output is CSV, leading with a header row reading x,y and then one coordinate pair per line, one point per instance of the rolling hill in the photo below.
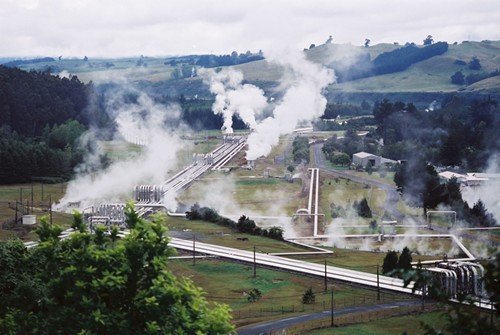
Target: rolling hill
x,y
429,76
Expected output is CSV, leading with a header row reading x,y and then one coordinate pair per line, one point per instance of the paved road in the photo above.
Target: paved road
x,y
276,325
391,202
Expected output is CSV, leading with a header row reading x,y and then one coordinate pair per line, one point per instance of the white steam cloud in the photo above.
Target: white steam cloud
x,y
143,119
488,190
234,97
303,83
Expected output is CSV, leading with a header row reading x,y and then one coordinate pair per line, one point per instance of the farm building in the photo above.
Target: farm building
x,y
365,158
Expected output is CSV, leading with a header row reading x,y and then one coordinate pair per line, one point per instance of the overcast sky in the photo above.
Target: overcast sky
x,y
109,28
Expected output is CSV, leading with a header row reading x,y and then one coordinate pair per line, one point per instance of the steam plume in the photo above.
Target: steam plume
x,y
145,119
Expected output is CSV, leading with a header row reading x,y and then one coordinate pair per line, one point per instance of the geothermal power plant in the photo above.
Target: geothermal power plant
x,y
455,276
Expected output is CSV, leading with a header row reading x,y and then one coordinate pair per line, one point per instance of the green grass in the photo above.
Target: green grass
x,y
263,196
389,326
228,283
212,233
343,193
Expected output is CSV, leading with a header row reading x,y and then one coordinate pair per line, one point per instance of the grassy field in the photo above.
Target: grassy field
x,y
343,192
211,233
9,194
229,283
408,324
238,196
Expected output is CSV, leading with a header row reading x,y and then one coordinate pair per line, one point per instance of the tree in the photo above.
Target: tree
x,y
93,284
340,159
329,40
474,64
390,262
309,297
363,209
367,42
404,261
428,40
300,150
245,225
254,295
290,168
492,280
458,78
480,216
312,46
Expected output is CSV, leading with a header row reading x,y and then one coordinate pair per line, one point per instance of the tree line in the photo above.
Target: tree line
x,y
459,133
54,154
244,224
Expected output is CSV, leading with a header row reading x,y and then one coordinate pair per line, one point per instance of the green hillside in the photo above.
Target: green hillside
x,y
431,75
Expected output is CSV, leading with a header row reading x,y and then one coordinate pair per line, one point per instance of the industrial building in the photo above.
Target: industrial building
x,y
364,158
469,179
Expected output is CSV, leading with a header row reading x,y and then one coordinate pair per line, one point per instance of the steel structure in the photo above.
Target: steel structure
x,y
151,197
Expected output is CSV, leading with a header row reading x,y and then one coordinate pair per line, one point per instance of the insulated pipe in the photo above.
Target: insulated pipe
x,y
316,205
309,204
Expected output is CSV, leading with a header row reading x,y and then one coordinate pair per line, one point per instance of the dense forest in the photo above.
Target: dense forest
x,y
31,100
41,118
462,133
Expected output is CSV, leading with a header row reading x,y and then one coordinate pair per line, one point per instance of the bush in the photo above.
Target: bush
x,y
254,295
474,64
309,297
458,78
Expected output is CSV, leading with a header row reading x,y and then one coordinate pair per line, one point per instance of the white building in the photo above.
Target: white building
x,y
469,179
364,158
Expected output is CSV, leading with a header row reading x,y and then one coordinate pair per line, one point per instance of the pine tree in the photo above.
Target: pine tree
x,y
404,262
390,262
363,209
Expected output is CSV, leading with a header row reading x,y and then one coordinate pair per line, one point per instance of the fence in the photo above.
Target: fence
x,y
348,301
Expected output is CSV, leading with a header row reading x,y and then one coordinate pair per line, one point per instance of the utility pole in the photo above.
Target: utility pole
x,y
254,264
32,195
331,310
194,249
378,284
423,297
50,208
326,279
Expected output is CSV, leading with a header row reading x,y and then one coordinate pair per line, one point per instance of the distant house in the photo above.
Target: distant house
x,y
469,179
364,158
